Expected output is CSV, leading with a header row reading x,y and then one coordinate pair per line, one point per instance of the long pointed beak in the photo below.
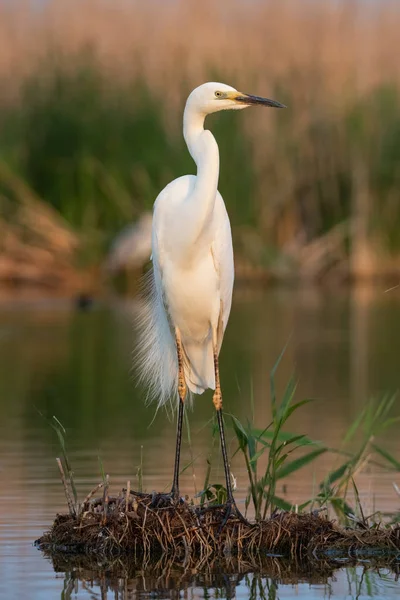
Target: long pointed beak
x,y
250,100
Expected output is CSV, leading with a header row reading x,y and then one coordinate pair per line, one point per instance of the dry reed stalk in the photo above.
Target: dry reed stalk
x,y
72,510
92,492
346,43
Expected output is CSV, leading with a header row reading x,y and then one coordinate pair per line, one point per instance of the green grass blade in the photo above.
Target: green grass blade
x,y
341,508
279,461
296,406
240,432
189,464
358,501
290,390
335,475
386,424
253,460
252,449
354,426
389,457
281,436
272,381
298,463
281,503
61,432
292,440
60,425
301,507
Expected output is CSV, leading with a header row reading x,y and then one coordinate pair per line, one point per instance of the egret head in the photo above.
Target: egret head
x,y
212,97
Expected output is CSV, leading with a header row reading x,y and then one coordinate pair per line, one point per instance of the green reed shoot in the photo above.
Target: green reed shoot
x,y
253,443
372,422
61,433
278,445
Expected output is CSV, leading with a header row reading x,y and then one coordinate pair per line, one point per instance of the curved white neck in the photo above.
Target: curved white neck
x,y
193,127
203,148
204,151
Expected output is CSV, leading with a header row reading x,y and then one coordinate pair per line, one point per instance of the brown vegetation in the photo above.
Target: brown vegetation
x,y
129,523
36,246
347,44
314,198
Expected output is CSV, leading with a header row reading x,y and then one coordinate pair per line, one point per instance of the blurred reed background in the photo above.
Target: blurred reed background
x,y
91,100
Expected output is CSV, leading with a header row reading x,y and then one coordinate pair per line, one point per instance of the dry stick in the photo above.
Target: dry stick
x,y
184,527
70,503
92,493
125,530
185,533
171,535
145,549
162,526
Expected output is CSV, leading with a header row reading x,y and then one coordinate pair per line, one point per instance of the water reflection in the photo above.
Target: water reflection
x,y
228,578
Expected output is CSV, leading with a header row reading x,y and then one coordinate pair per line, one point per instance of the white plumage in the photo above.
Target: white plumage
x,y
190,285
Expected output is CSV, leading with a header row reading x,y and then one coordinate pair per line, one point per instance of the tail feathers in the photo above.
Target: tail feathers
x,y
155,355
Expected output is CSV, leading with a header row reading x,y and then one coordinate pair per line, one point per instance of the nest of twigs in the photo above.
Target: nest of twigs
x,y
138,524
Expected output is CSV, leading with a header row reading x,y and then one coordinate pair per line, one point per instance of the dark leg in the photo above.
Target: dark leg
x,y
182,391
225,456
231,507
175,483
162,499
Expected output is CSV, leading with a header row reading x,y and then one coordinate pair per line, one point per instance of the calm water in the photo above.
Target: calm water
x,y
344,347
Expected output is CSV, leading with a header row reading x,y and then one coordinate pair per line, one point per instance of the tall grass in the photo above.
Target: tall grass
x,y
91,105
370,425
338,490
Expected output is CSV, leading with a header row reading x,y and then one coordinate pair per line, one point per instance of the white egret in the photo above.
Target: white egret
x,y
192,276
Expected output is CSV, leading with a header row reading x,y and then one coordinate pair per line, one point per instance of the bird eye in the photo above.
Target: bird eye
x,y
218,94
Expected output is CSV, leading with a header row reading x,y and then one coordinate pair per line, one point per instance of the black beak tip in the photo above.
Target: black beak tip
x,y
275,104
250,99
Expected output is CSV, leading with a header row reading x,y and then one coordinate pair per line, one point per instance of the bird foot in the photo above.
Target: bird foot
x,y
229,510
165,500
